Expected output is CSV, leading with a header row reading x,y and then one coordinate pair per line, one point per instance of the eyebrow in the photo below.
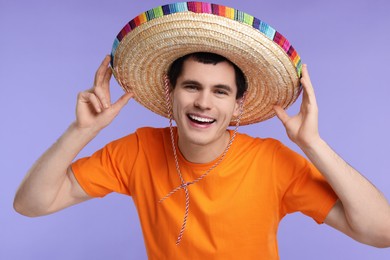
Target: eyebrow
x,y
218,86
191,82
224,87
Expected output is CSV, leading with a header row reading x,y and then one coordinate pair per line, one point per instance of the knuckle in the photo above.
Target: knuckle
x,y
100,72
99,93
96,89
83,94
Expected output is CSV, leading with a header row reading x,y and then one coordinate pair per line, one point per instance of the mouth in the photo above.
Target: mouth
x,y
200,119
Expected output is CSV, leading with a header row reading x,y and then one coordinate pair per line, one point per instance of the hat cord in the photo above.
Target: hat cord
x,y
184,184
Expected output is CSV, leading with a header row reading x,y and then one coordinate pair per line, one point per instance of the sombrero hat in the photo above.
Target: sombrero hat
x,y
146,47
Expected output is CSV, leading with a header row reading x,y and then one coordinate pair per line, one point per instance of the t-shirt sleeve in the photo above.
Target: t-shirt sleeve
x,y
304,187
109,169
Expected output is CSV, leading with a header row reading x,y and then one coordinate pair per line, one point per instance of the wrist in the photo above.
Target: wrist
x,y
312,147
309,141
81,134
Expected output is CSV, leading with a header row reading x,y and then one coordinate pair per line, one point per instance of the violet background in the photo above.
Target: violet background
x,y
51,49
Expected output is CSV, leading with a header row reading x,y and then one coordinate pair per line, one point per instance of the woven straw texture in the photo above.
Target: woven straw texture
x,y
147,46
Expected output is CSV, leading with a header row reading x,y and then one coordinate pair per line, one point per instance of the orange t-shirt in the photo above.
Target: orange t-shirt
x,y
234,212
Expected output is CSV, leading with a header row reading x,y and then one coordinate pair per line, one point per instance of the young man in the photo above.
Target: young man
x,y
232,189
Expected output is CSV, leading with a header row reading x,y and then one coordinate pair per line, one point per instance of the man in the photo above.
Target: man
x,y
233,189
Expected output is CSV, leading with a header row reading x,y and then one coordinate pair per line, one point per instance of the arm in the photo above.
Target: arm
x,y
362,212
50,185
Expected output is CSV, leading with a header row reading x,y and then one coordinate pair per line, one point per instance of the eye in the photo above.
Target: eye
x,y
191,87
221,92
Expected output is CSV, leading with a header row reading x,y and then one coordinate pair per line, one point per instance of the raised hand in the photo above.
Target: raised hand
x,y
302,128
94,110
50,184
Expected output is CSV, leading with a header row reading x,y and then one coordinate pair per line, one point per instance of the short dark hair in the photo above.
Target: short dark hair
x,y
176,68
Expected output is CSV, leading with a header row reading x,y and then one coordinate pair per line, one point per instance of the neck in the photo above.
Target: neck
x,y
200,153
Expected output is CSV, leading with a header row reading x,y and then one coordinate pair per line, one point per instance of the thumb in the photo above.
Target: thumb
x,y
281,114
122,101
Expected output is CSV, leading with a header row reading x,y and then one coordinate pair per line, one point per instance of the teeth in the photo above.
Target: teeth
x,y
201,119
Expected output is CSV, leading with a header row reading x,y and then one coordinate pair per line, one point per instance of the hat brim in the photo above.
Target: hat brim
x,y
142,57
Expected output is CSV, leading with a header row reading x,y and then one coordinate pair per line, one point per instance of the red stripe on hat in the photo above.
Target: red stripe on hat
x,y
124,31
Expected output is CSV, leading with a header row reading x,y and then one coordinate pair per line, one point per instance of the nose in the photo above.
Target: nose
x,y
203,100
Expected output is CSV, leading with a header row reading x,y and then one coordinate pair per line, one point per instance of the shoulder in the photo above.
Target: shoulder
x,y
142,136
152,137
269,149
146,132
245,141
145,141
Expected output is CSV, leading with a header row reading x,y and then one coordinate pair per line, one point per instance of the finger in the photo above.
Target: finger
x,y
281,114
308,97
106,86
102,83
305,74
107,76
103,95
101,71
90,98
122,101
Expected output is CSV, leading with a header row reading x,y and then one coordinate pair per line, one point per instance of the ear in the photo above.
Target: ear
x,y
237,108
171,93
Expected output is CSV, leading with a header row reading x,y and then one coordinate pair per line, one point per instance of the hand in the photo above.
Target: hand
x,y
94,110
302,128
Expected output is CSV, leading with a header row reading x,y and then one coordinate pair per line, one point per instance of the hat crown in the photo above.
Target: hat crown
x,y
146,46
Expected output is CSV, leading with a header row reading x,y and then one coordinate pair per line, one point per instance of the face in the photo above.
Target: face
x,y
204,101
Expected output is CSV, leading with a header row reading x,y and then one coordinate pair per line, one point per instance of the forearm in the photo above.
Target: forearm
x,y
366,209
48,176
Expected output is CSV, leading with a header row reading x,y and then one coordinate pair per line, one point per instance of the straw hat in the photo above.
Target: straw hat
x,y
146,47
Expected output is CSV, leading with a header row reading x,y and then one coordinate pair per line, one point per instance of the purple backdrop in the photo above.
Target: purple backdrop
x,y
50,50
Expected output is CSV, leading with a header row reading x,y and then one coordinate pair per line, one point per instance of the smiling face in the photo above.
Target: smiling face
x,y
204,101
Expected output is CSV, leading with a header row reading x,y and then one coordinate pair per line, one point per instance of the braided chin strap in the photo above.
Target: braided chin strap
x,y
184,184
